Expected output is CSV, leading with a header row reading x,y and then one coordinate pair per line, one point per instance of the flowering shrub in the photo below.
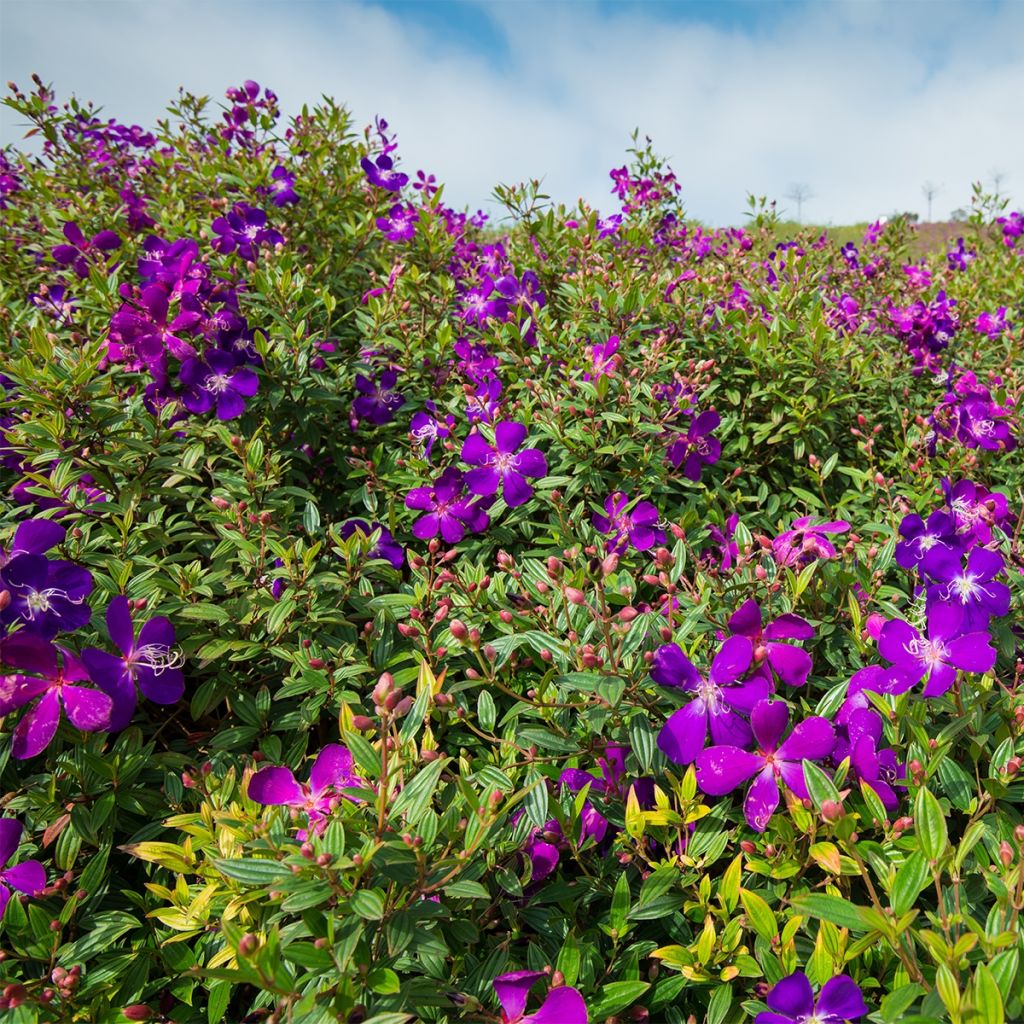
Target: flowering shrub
x,y
587,617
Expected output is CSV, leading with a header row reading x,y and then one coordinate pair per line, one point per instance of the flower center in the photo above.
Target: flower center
x,y
217,383
930,653
158,657
504,462
965,587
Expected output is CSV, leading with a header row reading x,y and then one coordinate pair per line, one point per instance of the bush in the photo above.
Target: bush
x,y
397,602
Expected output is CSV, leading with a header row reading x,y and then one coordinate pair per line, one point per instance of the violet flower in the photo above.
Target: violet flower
x,y
28,877
87,709
972,587
976,511
330,773
503,466
400,223
561,1006
386,548
381,173
33,537
217,380
919,538
46,596
448,510
718,701
697,448
149,662
244,230
637,527
938,655
377,401
878,768
721,769
79,251
792,1001
426,428
791,664
604,359
282,187
805,541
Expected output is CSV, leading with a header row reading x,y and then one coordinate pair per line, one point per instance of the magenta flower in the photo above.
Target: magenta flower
x,y
791,664
877,767
448,510
502,466
637,527
806,540
561,1006
87,709
149,662
244,230
330,773
381,173
377,401
604,359
697,448
976,511
217,380
282,187
938,655
28,877
721,769
792,1001
80,251
718,702
400,223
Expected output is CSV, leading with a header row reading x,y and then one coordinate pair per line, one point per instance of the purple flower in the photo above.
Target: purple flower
x,y
386,547
721,769
697,448
878,768
502,466
561,1006
937,656
381,173
87,709
79,251
637,527
726,551
426,428
149,662
604,359
377,401
33,537
991,324
972,587
46,596
976,510
919,538
400,223
217,380
959,257
806,540
244,229
791,664
330,773
448,510
28,877
791,1001
282,187
718,701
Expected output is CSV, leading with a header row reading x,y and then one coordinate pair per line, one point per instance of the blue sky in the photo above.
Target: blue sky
x,y
862,100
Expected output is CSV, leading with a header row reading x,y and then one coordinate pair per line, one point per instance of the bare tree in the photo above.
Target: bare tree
x,y
800,192
930,190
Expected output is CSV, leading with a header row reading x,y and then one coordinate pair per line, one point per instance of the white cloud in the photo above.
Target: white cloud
x,y
864,101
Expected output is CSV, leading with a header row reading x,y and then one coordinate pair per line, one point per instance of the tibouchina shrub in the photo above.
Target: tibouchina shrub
x,y
574,616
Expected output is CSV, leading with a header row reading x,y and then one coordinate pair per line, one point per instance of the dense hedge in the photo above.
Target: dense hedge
x,y
414,616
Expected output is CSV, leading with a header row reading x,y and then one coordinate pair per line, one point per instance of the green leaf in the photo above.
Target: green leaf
x,y
911,878
467,890
616,996
819,786
759,914
620,903
486,711
718,1006
988,1000
897,1002
569,959
217,1001
930,823
416,796
832,908
368,904
251,871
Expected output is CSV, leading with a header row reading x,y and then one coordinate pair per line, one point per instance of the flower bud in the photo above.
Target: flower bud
x,y
832,810
574,596
458,629
248,944
1005,853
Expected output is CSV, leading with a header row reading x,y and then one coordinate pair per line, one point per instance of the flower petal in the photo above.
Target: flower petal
x,y
840,999
508,436
812,740
731,661
332,767
562,1006
721,769
29,877
673,668
791,664
762,800
792,996
685,733
513,988
37,728
275,786
88,710
768,720
10,835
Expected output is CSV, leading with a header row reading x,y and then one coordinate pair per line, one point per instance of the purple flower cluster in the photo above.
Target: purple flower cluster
x,y
248,109
635,526
970,415
926,329
47,596
244,230
805,541
80,253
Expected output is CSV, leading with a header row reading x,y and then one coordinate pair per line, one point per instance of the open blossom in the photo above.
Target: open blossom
x,y
28,877
938,655
218,381
330,773
719,701
636,526
918,537
791,1001
400,223
449,511
150,662
604,359
244,230
976,510
973,587
80,251
503,465
46,596
806,540
868,763
381,173
426,427
282,187
697,448
561,1005
55,675
720,769
790,663
377,401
